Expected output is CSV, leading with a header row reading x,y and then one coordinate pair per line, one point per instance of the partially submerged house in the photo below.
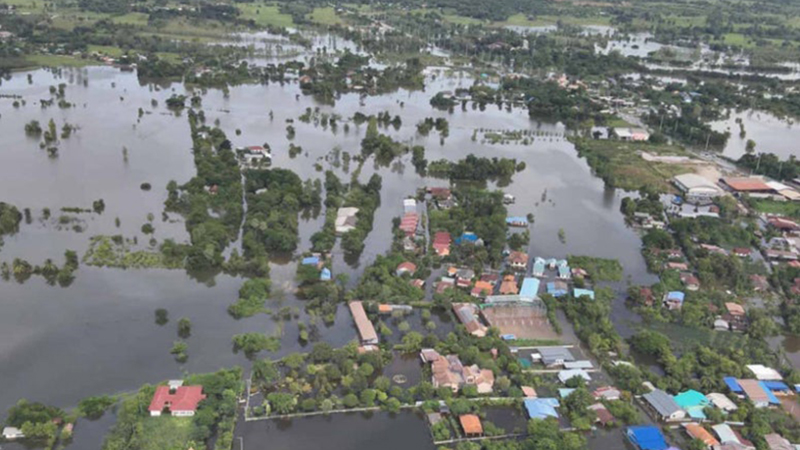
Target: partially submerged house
x,y
366,331
346,219
664,406
176,400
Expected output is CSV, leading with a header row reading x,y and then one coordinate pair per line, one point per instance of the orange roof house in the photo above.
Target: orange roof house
x,y
509,286
471,424
482,288
747,184
696,431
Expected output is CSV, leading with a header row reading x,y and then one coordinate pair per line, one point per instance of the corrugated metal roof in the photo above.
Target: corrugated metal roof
x,y
662,402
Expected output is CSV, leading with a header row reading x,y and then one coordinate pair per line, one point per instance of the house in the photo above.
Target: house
x,y
603,415
405,268
735,316
776,387
409,223
176,399
664,406
727,435
764,373
742,252
676,266
721,325
471,424
714,249
607,393
325,274
721,402
753,186
417,283
509,285
490,277
696,189
409,205
530,287
449,372
311,261
554,356
566,375
467,314
783,224
409,245
564,272
696,431
529,392
517,221
693,403
254,155
631,134
481,289
441,243
674,300
518,260
777,442
442,196
754,392
541,408
346,220
429,355
538,267
578,293
690,281
646,437
11,433
444,284
366,330
557,288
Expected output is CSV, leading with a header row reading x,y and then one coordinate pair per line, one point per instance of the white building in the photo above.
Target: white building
x,y
346,219
697,189
11,433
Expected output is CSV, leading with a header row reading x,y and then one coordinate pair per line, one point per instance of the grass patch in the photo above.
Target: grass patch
x,y
791,209
326,16
163,432
620,164
616,122
57,61
599,269
265,15
461,20
106,49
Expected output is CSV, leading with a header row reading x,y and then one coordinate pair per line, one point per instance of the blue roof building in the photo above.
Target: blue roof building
x,y
541,408
517,220
776,386
677,296
563,271
556,289
646,437
538,267
530,288
693,402
733,385
311,261
577,292
773,400
468,238
564,392
325,275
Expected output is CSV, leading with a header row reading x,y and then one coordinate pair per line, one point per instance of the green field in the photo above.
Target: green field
x,y
58,61
165,432
265,15
791,209
326,16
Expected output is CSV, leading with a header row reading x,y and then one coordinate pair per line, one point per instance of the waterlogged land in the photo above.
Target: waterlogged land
x,y
99,160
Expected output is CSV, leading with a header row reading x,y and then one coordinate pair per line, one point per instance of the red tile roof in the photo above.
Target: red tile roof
x,y
185,398
747,184
471,424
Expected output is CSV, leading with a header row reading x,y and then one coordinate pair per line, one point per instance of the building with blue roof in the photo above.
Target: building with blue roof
x,y
773,400
646,437
311,261
776,386
467,238
577,292
733,385
325,274
530,288
538,267
564,272
517,221
557,288
564,392
693,403
541,408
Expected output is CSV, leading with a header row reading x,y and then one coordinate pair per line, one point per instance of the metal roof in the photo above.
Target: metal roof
x,y
662,402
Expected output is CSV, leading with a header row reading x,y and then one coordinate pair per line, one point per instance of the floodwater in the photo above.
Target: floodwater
x,y
98,336
401,431
769,132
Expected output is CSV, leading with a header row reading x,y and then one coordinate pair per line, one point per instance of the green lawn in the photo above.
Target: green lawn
x,y
165,432
265,15
109,50
58,61
326,16
461,20
791,209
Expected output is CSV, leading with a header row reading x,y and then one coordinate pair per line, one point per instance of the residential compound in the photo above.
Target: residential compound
x,y
448,371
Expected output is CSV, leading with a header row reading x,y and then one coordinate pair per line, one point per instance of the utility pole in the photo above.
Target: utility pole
x,y
708,138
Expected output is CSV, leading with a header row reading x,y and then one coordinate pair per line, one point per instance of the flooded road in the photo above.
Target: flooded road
x,y
99,336
770,134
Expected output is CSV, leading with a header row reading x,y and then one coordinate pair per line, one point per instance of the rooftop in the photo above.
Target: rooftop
x,y
747,184
647,437
183,398
471,424
662,402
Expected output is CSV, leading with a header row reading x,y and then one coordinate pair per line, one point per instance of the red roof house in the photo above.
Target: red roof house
x,y
178,401
441,243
